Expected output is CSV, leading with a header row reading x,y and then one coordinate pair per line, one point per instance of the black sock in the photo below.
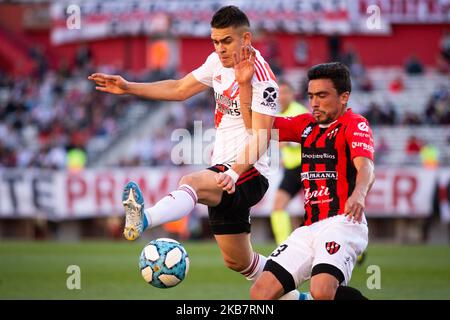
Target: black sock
x,y
348,293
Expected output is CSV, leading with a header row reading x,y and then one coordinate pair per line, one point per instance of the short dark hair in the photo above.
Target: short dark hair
x,y
337,72
229,16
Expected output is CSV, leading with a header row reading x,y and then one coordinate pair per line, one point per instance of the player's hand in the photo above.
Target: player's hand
x,y
225,182
354,207
244,64
109,83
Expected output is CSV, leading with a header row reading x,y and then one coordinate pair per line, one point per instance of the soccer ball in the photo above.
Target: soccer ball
x,y
164,263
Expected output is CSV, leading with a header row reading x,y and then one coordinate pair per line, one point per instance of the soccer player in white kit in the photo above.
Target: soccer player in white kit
x,y
227,190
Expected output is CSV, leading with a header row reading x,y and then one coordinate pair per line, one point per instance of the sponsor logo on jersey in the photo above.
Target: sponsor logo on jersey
x,y
332,247
323,155
270,94
332,133
218,78
226,105
324,191
270,98
306,132
363,145
322,201
363,127
319,175
361,134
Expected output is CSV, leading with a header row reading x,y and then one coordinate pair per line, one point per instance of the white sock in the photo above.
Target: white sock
x,y
174,206
291,295
256,268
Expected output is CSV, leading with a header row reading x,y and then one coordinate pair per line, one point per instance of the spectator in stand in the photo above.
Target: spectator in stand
x,y
429,155
411,118
382,149
412,150
397,85
270,50
445,46
350,57
366,84
375,115
413,66
334,47
301,52
391,113
83,56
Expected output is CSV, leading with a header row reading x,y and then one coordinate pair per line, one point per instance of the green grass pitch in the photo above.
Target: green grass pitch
x,y
109,270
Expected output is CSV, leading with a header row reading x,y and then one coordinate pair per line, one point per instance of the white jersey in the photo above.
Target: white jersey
x,y
231,134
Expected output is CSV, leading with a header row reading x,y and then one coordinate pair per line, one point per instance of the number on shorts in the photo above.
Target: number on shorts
x,y
279,250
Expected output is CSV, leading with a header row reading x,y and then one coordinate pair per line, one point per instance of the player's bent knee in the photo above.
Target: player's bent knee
x,y
259,292
322,292
189,180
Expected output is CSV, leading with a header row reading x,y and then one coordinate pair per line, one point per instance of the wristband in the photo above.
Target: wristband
x,y
233,174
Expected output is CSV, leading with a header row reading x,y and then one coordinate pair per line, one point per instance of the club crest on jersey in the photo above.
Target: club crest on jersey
x,y
306,132
234,89
332,247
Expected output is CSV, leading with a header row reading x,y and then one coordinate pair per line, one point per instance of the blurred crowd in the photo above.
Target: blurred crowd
x,y
435,112
195,115
48,119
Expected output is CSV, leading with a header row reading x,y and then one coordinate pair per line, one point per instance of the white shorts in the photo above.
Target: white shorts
x,y
333,241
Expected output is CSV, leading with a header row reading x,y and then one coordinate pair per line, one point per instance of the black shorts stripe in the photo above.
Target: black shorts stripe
x,y
330,269
247,174
283,276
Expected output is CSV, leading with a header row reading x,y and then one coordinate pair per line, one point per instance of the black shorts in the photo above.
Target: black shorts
x,y
232,214
291,182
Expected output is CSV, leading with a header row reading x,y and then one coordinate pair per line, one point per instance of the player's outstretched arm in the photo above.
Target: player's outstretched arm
x,y
365,177
175,90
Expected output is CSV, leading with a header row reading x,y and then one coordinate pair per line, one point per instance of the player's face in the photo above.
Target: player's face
x,y
227,41
286,96
327,105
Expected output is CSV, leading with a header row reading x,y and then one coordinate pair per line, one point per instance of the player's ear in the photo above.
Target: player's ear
x,y
344,97
247,38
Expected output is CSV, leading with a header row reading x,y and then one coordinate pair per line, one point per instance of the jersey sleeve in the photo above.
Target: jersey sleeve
x,y
204,73
291,128
265,97
359,137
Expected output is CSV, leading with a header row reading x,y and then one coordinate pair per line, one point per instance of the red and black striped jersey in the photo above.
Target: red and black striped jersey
x,y
328,174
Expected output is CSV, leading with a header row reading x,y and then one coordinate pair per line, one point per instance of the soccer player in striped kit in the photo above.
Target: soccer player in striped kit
x,y
337,172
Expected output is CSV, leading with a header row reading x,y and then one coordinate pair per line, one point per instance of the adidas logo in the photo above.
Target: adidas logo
x,y
218,78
